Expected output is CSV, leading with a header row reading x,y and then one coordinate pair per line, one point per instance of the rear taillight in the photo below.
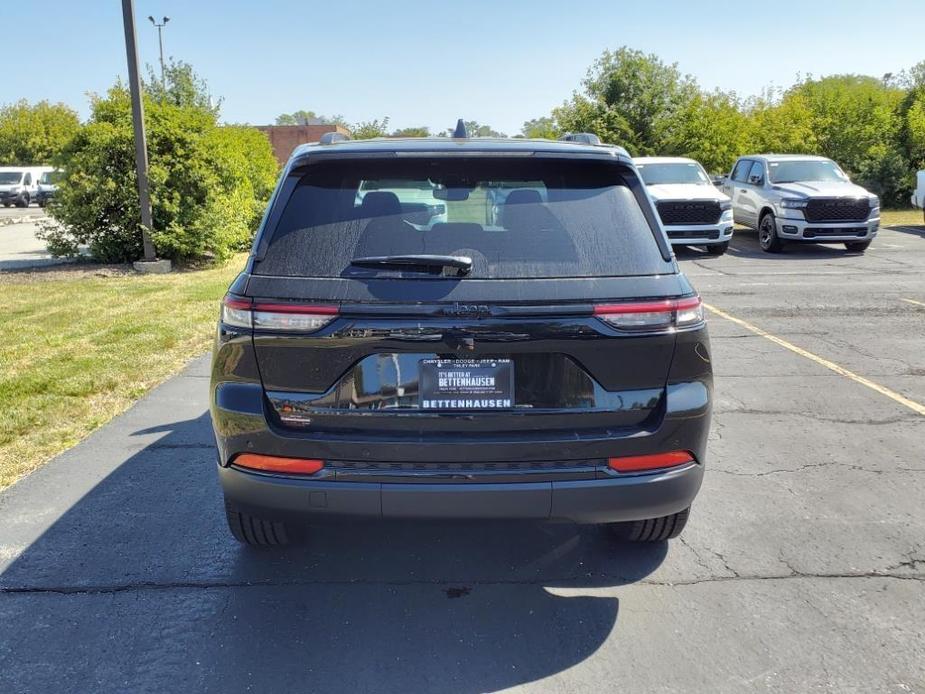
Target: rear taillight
x,y
652,315
246,313
272,463
655,461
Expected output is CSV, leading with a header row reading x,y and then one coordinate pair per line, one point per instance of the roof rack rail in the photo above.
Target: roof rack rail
x,y
331,138
583,138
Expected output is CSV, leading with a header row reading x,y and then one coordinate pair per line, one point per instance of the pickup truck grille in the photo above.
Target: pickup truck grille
x,y
837,210
688,211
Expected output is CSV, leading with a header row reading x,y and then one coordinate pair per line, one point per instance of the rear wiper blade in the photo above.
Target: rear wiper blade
x,y
461,263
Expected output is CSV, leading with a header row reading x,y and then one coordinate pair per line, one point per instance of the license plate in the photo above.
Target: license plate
x,y
466,384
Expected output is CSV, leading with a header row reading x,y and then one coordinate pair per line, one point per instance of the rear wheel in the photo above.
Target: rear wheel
x,y
23,201
653,529
857,246
767,234
254,531
717,248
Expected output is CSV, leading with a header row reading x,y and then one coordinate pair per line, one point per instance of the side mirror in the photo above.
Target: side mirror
x,y
756,180
719,180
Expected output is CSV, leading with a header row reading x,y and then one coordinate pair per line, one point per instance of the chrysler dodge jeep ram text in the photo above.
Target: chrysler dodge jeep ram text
x,y
535,354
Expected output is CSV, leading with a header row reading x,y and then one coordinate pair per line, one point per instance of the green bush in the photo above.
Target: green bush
x,y
208,183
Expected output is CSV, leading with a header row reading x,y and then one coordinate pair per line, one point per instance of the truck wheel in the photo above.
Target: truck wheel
x,y
257,532
23,201
717,248
857,246
653,529
767,234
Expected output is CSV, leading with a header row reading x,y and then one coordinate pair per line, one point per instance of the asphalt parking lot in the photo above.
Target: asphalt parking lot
x,y
802,569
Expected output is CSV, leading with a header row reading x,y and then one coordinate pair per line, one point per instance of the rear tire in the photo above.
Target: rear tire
x,y
857,246
767,234
717,248
254,531
23,201
653,529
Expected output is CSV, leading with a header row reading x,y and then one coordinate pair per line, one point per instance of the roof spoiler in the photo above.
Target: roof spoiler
x,y
581,138
331,138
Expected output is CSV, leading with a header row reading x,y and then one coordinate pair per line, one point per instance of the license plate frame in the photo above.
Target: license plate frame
x,y
466,385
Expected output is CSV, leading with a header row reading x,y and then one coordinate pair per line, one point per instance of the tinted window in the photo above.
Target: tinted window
x,y
756,170
7,177
682,172
740,172
514,218
806,170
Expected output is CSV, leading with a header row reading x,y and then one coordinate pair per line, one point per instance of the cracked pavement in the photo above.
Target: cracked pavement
x,y
802,569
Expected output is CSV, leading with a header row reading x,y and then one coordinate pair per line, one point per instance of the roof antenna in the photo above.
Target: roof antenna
x,y
460,129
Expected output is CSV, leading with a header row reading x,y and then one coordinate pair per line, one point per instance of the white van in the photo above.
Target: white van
x,y
20,184
918,195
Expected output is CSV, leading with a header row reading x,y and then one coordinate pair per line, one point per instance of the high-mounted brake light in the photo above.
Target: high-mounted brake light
x,y
656,461
652,315
272,463
246,313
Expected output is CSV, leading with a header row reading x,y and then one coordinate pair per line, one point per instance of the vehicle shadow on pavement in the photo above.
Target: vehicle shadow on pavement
x,y
744,245
138,585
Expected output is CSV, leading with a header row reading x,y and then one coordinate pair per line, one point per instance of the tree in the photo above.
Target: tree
x,y
711,129
542,127
420,131
366,130
209,184
303,117
35,133
628,98
181,86
781,124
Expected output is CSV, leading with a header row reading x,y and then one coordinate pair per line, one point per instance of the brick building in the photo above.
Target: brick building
x,y
285,138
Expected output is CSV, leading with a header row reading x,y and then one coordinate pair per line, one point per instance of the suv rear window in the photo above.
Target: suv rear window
x,y
515,218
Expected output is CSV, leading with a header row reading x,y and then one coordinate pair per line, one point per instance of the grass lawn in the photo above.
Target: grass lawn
x,y
80,344
906,217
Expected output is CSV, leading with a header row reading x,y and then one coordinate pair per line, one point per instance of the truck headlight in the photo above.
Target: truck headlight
x,y
725,205
793,203
874,202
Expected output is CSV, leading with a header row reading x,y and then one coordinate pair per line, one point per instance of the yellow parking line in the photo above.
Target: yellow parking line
x,y
913,301
891,394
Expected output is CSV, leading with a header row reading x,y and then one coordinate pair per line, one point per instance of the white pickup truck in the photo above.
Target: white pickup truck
x,y
691,209
918,195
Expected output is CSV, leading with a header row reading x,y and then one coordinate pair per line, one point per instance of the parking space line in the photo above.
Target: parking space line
x,y
913,301
883,390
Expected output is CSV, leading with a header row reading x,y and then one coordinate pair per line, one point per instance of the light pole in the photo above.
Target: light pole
x,y
138,122
160,39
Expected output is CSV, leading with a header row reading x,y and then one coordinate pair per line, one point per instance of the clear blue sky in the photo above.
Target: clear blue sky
x,y
421,63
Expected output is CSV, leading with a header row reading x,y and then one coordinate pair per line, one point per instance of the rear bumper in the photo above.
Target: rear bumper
x,y
620,498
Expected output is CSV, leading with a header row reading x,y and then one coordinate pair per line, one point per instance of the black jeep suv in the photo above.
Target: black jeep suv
x,y
460,328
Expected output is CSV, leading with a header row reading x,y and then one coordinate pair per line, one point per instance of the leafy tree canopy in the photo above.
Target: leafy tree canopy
x,y
35,133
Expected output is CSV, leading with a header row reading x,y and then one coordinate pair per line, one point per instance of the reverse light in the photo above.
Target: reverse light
x,y
272,463
646,316
656,461
246,313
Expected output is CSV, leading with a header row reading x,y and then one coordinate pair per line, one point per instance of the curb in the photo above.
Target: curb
x,y
20,219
